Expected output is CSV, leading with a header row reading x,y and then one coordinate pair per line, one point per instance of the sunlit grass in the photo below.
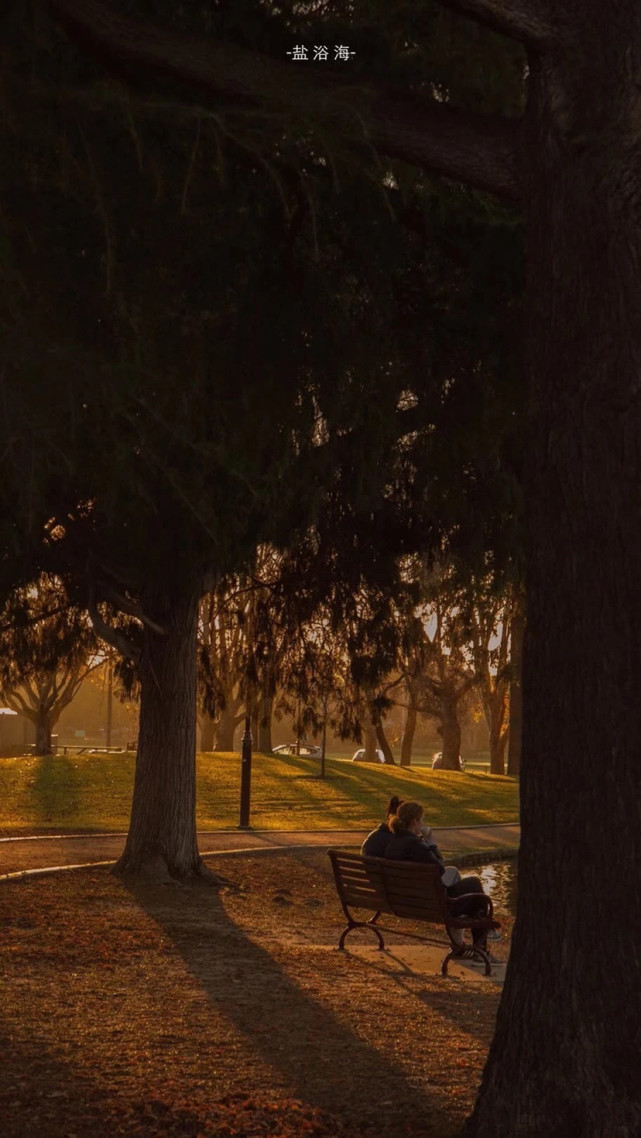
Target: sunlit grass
x,y
93,793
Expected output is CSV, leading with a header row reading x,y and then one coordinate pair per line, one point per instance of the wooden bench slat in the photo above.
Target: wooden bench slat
x,y
424,888
361,872
349,874
417,913
364,883
366,901
408,870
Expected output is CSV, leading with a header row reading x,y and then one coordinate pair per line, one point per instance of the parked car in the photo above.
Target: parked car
x,y
437,762
359,756
307,750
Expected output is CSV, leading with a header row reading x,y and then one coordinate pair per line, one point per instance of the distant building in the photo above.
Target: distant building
x,y
16,731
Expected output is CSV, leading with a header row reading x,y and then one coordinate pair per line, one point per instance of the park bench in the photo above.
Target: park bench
x,y
405,889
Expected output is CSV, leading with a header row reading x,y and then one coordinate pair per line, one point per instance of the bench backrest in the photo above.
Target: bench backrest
x,y
415,890
403,888
359,881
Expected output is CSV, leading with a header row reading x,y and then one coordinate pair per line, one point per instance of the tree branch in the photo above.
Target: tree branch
x,y
130,608
28,622
480,150
111,635
16,702
522,20
33,692
71,685
466,686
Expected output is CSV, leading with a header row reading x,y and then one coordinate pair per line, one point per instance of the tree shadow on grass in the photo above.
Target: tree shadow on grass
x,y
460,1007
452,1000
55,792
312,1053
41,1092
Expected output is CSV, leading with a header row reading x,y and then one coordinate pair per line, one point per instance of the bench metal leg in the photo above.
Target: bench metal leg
x,y
467,953
371,924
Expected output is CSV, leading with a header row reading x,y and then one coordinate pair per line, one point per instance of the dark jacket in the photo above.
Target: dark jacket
x,y
376,842
403,845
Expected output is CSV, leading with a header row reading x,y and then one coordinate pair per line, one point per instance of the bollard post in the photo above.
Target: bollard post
x,y
245,775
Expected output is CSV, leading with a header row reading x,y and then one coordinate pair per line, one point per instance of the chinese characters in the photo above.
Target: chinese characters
x,y
320,53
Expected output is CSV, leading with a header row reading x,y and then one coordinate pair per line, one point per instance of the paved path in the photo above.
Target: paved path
x,y
24,853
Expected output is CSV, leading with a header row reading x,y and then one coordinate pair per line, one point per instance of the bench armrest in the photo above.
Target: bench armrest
x,y
464,922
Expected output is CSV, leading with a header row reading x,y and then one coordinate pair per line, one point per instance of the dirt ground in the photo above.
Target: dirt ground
x,y
191,1011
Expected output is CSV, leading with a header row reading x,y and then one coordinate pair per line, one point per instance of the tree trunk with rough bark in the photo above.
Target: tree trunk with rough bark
x,y
565,1055
496,704
516,692
450,732
370,742
161,843
207,732
408,736
383,743
226,727
44,727
498,745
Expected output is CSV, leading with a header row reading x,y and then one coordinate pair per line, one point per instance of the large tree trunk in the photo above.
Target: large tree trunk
x,y
450,731
408,736
497,708
516,692
226,727
498,744
370,742
383,743
565,1056
44,726
207,732
162,832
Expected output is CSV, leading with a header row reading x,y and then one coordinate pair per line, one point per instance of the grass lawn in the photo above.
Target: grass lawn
x,y
157,1012
88,793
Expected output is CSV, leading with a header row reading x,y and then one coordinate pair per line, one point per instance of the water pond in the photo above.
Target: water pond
x,y
499,880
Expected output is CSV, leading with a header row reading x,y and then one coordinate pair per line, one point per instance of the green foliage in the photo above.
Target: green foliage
x,y
41,632
207,294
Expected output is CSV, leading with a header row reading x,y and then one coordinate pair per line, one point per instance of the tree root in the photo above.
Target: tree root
x,y
154,869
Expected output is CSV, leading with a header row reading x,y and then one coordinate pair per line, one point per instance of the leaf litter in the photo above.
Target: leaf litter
x,y
159,1012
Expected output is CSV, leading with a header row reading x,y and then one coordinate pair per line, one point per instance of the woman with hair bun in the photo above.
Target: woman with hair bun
x,y
375,843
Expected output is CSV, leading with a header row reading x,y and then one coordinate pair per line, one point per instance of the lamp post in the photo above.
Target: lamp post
x,y
245,775
110,687
323,744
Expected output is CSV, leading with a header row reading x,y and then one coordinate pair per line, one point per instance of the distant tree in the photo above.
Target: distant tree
x,y
324,628
517,634
491,621
47,648
222,632
447,679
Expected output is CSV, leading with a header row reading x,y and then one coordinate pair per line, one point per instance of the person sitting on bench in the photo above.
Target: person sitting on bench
x,y
375,843
407,844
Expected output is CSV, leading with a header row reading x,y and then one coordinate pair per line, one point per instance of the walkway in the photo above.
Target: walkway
x,y
50,851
